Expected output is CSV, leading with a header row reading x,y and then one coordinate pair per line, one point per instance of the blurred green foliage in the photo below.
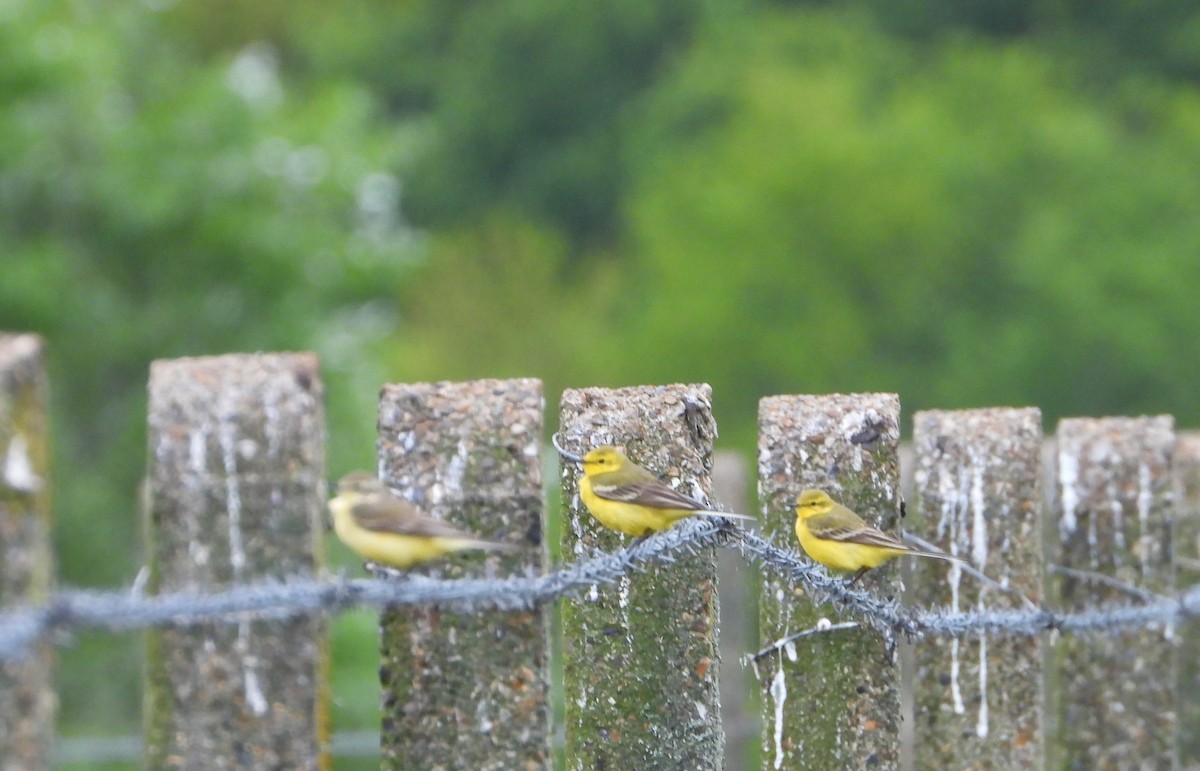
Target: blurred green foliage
x,y
831,211
977,203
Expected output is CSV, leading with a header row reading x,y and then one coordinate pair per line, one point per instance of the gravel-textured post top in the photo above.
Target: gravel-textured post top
x,y
641,665
467,689
236,495
27,698
829,701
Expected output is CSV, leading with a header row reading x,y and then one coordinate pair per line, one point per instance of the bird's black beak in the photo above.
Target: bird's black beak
x,y
566,455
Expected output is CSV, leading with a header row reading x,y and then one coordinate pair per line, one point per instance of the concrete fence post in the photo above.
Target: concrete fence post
x,y
236,495
27,701
641,661
1186,538
837,704
979,701
467,689
1111,695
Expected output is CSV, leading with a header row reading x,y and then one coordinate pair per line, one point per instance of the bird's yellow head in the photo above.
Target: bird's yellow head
x,y
812,503
602,459
360,482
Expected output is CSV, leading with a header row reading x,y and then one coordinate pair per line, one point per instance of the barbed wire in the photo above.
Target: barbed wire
x,y
71,611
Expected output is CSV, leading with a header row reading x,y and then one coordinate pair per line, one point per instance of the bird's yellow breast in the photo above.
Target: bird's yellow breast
x,y
628,518
392,549
841,555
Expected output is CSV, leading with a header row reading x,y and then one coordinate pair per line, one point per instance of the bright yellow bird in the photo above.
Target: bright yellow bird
x,y
623,496
388,530
838,538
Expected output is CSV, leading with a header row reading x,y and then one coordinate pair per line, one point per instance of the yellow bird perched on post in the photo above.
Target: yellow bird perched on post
x,y
388,530
625,497
838,538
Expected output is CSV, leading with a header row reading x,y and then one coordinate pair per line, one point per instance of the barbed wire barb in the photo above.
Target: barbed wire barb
x,y
823,626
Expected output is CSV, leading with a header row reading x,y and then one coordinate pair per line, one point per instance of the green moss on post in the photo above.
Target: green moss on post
x,y
236,495
979,702
27,699
640,658
467,689
1112,695
836,704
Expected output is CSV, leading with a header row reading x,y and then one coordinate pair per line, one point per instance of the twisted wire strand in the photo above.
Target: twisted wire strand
x,y
69,611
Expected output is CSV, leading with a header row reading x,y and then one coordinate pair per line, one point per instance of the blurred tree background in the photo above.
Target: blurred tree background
x,y
970,203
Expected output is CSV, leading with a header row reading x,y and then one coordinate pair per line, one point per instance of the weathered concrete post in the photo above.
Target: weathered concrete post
x,y
467,689
27,699
1111,695
641,661
979,702
837,705
1187,573
236,495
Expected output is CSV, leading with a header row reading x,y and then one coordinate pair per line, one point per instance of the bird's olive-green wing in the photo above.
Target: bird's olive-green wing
x,y
389,514
832,527
650,493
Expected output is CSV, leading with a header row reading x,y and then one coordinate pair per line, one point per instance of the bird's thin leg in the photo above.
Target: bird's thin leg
x,y
857,575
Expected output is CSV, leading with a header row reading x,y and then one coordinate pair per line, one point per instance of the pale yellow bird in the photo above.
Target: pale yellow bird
x,y
388,530
623,496
838,538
